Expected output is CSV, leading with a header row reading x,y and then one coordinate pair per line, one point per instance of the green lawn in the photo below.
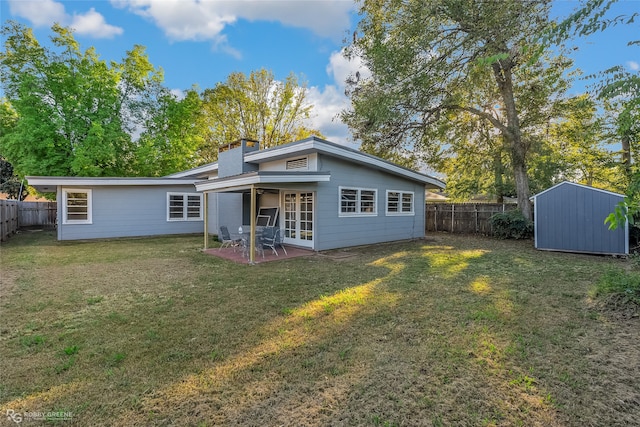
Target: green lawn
x,y
447,331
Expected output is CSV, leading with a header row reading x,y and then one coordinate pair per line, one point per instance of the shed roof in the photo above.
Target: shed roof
x,y
574,184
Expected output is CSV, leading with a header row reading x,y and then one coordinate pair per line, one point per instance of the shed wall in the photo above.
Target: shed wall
x,y
334,231
125,211
571,218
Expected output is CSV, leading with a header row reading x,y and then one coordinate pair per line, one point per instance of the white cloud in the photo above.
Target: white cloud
x,y
93,24
44,13
328,102
633,65
40,13
206,19
331,100
342,68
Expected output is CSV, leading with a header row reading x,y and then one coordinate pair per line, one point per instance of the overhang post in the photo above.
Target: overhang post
x,y
252,237
205,200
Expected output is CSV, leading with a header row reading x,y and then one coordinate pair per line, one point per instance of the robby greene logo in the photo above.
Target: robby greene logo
x,y
18,417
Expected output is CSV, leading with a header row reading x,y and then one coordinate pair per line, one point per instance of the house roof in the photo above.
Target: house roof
x,y
245,180
47,184
199,172
192,176
576,185
314,144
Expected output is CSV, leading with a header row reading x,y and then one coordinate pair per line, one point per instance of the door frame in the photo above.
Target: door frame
x,y
283,218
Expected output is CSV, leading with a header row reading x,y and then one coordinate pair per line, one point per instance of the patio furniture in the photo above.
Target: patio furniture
x,y
227,241
244,242
279,238
269,239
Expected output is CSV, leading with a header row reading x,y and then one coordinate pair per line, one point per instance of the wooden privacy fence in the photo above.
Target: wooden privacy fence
x,y
15,215
465,218
32,214
8,218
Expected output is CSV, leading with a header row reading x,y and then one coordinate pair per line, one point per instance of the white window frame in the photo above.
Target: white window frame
x,y
400,211
65,206
185,205
358,212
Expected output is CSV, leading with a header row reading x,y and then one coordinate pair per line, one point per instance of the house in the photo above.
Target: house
x,y
321,194
569,217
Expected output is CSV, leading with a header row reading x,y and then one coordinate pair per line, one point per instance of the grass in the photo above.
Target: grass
x,y
451,330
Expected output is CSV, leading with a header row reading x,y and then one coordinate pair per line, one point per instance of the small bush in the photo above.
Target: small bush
x,y
625,285
511,225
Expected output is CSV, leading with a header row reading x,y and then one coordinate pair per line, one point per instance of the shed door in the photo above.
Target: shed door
x,y
298,218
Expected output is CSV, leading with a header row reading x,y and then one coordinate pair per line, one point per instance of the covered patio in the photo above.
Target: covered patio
x,y
254,184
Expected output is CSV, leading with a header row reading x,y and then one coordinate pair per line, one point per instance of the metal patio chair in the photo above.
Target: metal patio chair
x,y
227,241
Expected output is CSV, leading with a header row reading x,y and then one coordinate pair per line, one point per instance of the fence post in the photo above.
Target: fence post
x,y
453,210
435,218
475,211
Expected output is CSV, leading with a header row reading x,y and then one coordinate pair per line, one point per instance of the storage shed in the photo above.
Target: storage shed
x,y
569,217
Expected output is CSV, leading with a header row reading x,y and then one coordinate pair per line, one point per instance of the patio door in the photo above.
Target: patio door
x,y
298,218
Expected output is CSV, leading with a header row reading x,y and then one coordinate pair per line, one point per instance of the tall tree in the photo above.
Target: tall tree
x,y
256,107
75,112
579,141
617,87
173,135
423,54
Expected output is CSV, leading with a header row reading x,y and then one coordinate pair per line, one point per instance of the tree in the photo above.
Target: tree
x,y
424,56
173,135
75,113
618,88
10,183
256,107
579,139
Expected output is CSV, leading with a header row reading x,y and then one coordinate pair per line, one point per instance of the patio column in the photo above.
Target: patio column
x,y
252,237
205,200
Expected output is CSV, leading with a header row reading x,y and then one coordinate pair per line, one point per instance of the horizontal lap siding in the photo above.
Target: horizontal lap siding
x,y
334,231
128,212
571,218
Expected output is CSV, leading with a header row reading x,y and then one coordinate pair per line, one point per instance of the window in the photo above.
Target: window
x,y
357,201
399,203
184,207
76,206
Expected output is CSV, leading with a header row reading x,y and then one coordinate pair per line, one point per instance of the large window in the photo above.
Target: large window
x,y
357,201
184,207
400,203
76,206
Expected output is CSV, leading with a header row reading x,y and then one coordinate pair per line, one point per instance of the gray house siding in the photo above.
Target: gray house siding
x,y
128,211
335,231
570,217
229,211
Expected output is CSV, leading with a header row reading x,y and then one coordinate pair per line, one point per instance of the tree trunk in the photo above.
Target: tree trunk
x,y
498,184
626,155
513,135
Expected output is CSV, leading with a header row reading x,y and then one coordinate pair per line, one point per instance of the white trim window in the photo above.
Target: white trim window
x,y
76,205
400,202
357,201
184,206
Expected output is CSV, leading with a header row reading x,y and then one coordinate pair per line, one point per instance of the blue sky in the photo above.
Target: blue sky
x,y
199,42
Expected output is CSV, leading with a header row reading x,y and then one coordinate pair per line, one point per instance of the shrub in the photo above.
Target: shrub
x,y
620,283
511,225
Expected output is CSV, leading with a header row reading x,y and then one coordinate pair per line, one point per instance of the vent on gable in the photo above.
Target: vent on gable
x,y
300,163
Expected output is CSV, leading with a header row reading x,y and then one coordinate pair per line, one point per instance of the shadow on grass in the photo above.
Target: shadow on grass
x,y
459,332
